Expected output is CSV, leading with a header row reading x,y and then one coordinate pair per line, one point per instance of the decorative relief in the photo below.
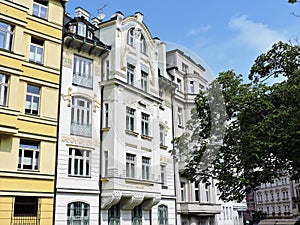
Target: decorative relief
x,y
130,203
149,203
68,97
96,103
166,159
80,141
110,199
67,60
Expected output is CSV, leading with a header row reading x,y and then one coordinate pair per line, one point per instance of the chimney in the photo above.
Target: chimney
x,y
139,16
95,21
80,12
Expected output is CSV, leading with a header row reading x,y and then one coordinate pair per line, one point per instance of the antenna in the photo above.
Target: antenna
x,y
101,14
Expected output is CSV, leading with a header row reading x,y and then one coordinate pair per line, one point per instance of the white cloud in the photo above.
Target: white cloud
x,y
199,30
254,35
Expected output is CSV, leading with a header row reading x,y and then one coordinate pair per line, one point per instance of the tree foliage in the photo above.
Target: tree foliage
x,y
244,134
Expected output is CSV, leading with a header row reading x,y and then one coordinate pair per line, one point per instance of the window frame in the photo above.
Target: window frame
x,y
83,158
162,135
192,87
29,146
163,175
78,207
144,81
8,34
4,89
179,116
130,37
130,165
143,45
130,74
146,168
145,124
30,105
40,6
83,71
106,115
35,46
114,213
130,119
183,191
162,215
137,215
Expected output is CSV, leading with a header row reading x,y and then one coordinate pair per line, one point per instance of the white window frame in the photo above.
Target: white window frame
x,y
179,116
130,119
4,79
207,193
137,215
185,68
81,29
106,115
145,168
144,81
162,136
83,71
145,124
105,163
36,51
81,158
183,191
39,10
6,31
78,212
162,215
143,46
130,165
130,37
192,87
197,191
32,100
130,74
33,161
163,175
114,215
179,83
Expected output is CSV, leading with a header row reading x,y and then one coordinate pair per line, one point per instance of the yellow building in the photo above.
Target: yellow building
x,y
30,53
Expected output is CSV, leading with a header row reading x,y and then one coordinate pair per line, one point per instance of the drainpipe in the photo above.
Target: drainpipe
x,y
58,111
101,151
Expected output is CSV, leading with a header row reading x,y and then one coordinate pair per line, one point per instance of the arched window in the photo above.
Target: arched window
x,y
81,117
143,46
130,37
162,215
78,213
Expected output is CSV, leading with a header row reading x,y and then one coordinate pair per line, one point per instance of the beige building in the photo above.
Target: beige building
x,y
30,56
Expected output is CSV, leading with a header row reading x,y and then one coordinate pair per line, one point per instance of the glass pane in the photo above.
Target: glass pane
x,y
39,55
35,9
81,167
43,12
32,53
76,166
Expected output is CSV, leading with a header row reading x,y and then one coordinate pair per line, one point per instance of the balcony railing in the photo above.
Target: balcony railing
x,y
85,80
84,130
25,220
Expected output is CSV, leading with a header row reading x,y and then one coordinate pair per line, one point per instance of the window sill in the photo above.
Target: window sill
x,y
146,137
163,147
164,186
79,176
28,170
105,129
130,132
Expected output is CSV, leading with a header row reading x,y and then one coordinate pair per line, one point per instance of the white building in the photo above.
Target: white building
x,y
196,202
78,159
137,171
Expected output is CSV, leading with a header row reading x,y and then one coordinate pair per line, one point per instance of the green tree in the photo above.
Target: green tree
x,y
245,134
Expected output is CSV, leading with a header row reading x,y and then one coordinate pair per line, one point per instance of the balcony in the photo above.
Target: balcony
x,y
25,219
84,130
199,208
84,80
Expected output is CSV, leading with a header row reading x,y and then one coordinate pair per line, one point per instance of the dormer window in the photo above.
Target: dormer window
x,y
130,37
81,30
143,47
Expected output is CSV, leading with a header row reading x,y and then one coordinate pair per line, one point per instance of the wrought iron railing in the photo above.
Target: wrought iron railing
x,y
85,80
81,129
25,219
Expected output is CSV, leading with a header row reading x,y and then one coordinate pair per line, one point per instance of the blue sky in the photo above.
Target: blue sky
x,y
224,34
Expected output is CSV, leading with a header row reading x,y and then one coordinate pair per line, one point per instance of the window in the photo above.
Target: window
x,y
207,192
182,191
130,37
192,87
162,134
144,81
130,165
197,192
28,156
82,72
114,215
107,69
162,215
78,213
40,9
145,124
26,210
179,84
130,74
3,89
81,29
32,100
36,51
130,117
179,116
137,215
106,115
163,175
145,168
106,163
81,113
143,46
79,162
6,36
201,88
185,68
